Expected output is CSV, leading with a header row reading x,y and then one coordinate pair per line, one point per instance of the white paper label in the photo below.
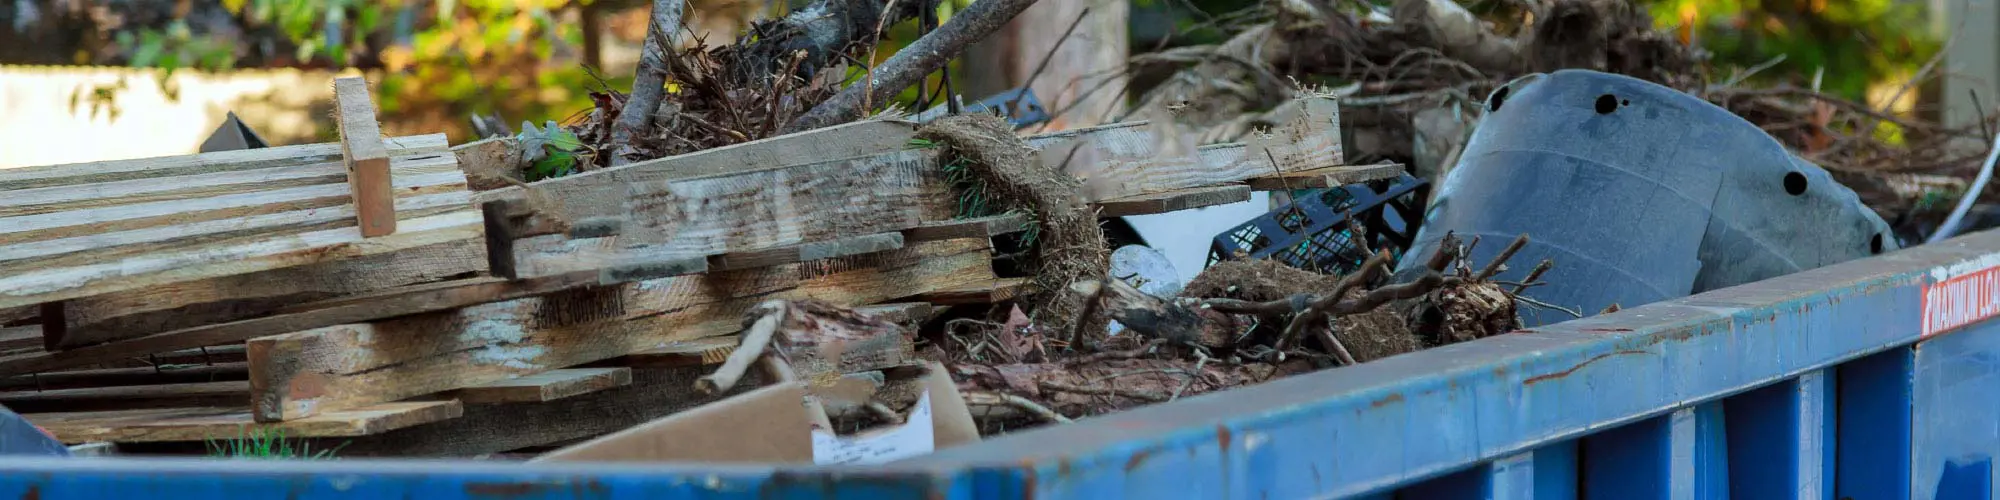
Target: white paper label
x,y
914,438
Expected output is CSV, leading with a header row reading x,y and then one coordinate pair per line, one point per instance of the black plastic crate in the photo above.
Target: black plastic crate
x,y
1312,232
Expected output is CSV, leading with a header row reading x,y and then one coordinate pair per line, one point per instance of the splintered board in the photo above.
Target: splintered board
x,y
209,394
1326,177
193,304
752,210
545,386
494,428
985,292
73,231
225,423
1125,159
778,202
307,373
1173,201
389,303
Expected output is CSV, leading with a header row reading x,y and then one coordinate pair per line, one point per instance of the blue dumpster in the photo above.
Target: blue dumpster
x,y
1869,380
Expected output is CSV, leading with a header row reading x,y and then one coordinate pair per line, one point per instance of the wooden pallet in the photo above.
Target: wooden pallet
x,y
111,249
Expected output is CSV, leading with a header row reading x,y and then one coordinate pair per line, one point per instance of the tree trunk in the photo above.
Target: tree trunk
x,y
1085,68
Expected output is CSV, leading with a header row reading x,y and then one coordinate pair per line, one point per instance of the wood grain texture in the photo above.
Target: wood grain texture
x,y
712,351
986,292
112,377
366,157
222,423
779,206
843,247
1326,177
545,386
189,395
494,428
302,374
419,175
601,193
981,227
1127,159
1173,201
384,304
189,304
53,284
491,163
327,154
747,211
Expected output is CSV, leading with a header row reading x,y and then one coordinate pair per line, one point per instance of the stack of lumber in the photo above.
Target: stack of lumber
x,y
518,315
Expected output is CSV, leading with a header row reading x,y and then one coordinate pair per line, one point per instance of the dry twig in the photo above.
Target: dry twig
x,y
755,341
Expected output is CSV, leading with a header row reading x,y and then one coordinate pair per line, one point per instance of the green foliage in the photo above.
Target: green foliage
x,y
1855,43
466,57
551,152
267,443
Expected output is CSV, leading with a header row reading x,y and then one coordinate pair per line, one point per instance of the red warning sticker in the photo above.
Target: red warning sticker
x,y
1957,299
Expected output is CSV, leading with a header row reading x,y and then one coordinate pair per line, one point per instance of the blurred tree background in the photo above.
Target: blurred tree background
x,y
440,61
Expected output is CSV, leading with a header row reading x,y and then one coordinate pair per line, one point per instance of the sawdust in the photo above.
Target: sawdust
x,y
1069,245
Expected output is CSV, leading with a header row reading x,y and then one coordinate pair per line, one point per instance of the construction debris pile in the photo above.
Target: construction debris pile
x,y
1415,78
434,304
702,252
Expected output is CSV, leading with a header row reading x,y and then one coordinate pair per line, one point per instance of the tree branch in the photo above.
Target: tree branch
x,y
649,84
910,65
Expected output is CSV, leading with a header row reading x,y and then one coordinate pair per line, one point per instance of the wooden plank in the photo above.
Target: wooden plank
x,y
111,377
488,429
366,157
127,397
710,351
221,423
491,163
1173,201
385,304
19,337
301,374
174,306
1117,161
1326,177
53,284
713,350
779,206
981,227
212,355
60,199
745,211
753,208
205,163
17,316
987,292
1126,160
545,386
195,236
602,193
418,176
843,247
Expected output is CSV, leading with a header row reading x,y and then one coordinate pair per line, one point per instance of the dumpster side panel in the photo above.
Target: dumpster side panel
x,y
1957,414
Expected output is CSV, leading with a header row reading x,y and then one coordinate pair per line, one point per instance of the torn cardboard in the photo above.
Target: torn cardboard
x,y
770,426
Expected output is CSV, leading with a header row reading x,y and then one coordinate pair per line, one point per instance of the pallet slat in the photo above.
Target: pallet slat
x,y
545,386
203,424
1326,177
1173,201
301,374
